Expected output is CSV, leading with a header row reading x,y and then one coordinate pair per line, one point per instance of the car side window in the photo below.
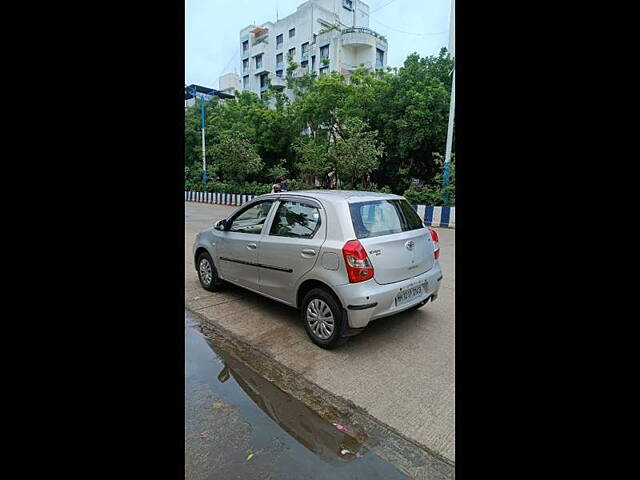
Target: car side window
x,y
296,219
251,219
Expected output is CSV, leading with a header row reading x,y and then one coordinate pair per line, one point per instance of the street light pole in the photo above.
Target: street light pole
x,y
204,159
452,104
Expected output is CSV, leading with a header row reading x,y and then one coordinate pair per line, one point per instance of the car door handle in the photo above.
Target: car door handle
x,y
308,251
252,246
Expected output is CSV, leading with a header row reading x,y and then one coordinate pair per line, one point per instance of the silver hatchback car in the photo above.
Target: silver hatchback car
x,y
342,258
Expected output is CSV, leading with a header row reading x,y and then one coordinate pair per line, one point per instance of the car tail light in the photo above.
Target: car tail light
x,y
358,265
436,243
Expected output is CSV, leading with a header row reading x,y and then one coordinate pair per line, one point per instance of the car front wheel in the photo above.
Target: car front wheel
x,y
208,274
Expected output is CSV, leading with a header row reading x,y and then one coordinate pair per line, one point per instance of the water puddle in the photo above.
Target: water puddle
x,y
239,425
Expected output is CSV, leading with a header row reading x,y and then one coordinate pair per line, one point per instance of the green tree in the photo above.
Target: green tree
x,y
235,157
410,110
356,152
314,162
375,128
278,172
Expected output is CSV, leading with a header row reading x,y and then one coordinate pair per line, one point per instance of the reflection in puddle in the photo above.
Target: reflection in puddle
x,y
239,425
317,435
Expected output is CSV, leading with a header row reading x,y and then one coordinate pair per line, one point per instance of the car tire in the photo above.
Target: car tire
x,y
318,303
207,273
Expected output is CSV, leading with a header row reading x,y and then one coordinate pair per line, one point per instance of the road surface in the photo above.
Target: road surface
x,y
400,369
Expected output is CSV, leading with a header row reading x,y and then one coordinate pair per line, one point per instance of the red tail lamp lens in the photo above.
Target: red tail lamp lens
x,y
357,262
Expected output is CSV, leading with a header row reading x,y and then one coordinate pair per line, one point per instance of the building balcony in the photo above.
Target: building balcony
x,y
361,36
259,48
260,39
260,71
278,82
352,68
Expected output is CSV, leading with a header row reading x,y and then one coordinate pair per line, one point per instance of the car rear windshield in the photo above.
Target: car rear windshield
x,y
383,217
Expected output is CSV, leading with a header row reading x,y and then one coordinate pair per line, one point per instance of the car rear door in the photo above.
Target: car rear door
x,y
290,247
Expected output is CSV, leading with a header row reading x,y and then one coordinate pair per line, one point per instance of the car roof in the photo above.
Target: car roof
x,y
337,195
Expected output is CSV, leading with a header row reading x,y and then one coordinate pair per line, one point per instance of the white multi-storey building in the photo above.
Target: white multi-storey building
x,y
229,82
321,36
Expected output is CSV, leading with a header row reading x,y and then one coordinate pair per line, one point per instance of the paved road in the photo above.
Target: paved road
x,y
400,369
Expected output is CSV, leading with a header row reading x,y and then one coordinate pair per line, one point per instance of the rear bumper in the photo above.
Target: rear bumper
x,y
368,300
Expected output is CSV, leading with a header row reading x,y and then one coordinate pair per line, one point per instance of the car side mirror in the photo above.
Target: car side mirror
x,y
221,225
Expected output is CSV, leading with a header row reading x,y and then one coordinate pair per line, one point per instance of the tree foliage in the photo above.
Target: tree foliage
x,y
373,128
356,152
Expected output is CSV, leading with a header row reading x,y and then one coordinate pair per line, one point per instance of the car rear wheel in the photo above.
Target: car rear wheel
x,y
208,274
323,318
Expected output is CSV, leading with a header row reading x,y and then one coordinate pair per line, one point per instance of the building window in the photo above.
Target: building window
x,y
292,52
379,58
245,65
279,73
324,52
245,46
305,47
259,61
292,33
324,70
245,81
313,62
304,63
279,58
263,81
348,4
279,41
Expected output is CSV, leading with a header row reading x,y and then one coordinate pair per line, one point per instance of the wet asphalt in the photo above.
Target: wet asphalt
x,y
240,426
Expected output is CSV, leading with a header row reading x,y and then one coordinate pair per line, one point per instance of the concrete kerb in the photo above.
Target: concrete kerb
x,y
432,216
409,456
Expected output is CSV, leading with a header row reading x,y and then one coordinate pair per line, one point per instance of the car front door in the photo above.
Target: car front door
x,y
237,248
291,246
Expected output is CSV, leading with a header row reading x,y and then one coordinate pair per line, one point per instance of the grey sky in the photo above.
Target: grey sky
x,y
212,30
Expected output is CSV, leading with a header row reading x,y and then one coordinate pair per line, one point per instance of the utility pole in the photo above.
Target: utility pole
x,y
452,105
204,159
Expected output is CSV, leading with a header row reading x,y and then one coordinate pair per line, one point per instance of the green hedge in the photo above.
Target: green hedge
x,y
416,196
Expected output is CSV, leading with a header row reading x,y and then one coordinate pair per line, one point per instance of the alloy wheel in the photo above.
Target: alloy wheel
x,y
206,272
320,319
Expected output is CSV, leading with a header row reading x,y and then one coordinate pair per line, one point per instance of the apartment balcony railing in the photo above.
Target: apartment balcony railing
x,y
261,69
258,48
278,82
364,30
260,39
352,68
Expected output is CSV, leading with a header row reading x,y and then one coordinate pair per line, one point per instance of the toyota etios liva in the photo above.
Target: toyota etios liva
x,y
343,258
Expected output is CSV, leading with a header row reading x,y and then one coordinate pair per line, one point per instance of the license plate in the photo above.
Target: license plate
x,y
409,294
